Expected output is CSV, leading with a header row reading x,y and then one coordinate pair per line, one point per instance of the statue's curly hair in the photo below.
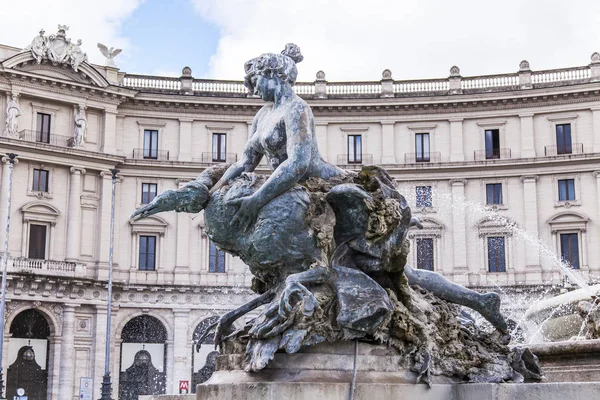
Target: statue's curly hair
x,y
281,65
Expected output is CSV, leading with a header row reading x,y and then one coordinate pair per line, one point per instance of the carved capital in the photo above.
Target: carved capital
x,y
10,158
77,170
596,174
529,178
458,182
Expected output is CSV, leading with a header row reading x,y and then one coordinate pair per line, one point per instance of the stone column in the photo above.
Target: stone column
x,y
388,145
74,215
182,349
456,140
321,134
110,132
527,136
104,222
459,235
4,198
100,348
182,254
532,255
67,355
596,130
170,381
185,139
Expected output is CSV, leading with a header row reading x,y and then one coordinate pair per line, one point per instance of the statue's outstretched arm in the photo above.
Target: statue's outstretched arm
x,y
191,198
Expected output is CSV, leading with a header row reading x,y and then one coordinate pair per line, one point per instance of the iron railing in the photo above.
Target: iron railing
x,y
352,159
416,158
557,150
145,154
491,154
211,158
46,138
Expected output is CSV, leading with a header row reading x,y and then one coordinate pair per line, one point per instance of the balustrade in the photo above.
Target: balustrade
x,y
46,267
373,89
554,150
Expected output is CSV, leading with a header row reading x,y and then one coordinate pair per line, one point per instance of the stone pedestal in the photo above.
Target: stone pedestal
x,y
324,372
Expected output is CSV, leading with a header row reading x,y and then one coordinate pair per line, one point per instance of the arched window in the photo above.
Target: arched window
x,y
143,363
203,360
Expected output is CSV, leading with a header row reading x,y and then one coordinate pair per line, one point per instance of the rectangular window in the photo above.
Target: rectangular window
x,y
354,149
566,189
493,193
150,144
425,254
219,147
492,144
496,254
40,180
217,259
148,192
563,139
423,196
37,241
147,253
43,128
569,249
422,147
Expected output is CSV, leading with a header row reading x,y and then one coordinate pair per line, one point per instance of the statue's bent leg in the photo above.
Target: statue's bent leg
x,y
226,320
487,304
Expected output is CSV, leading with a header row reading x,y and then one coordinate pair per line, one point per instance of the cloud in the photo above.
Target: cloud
x,y
90,21
357,40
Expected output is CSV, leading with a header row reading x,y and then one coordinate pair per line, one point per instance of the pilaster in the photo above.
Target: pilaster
x,y
456,140
67,355
459,236
110,131
527,136
74,215
99,349
181,352
321,134
388,147
530,210
596,130
6,167
185,139
182,255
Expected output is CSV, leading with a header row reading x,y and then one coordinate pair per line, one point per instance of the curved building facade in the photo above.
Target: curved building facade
x,y
503,170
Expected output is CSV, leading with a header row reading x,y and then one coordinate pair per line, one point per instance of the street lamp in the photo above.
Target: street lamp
x,y
106,390
12,158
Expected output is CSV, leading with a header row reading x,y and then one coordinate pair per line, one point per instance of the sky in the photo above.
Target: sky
x,y
351,40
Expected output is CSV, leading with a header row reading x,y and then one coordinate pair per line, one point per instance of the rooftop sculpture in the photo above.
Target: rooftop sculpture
x,y
328,248
57,48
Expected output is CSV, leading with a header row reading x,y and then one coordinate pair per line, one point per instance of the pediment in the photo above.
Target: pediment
x,y
86,74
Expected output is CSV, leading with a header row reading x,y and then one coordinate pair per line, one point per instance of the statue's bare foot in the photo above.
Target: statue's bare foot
x,y
490,310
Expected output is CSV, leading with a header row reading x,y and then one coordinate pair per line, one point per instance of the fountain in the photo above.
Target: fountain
x,y
340,313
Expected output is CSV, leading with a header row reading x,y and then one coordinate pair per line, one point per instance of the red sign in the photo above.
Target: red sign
x,y
184,387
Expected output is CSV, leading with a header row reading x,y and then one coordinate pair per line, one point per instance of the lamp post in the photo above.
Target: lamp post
x,y
106,391
12,158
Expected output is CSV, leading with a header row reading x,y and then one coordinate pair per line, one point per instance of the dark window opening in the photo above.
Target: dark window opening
x,y
150,144
492,144
424,196
569,249
354,149
43,128
37,241
217,259
493,193
496,254
40,180
422,147
563,139
148,192
566,189
147,253
219,147
425,254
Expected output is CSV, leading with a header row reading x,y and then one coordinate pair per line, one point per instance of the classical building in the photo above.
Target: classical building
x,y
503,170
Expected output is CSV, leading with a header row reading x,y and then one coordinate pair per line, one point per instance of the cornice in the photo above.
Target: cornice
x,y
392,106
